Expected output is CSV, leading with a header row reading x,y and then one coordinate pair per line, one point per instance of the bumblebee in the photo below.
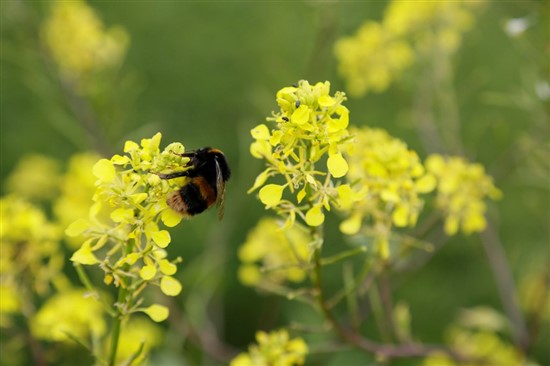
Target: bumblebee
x,y
208,173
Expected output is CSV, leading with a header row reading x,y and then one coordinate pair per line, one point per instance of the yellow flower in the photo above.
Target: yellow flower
x,y
304,148
157,312
385,183
437,24
121,234
274,348
85,255
476,344
170,286
280,252
371,59
35,177
387,179
77,188
10,301
461,190
380,52
78,41
136,332
30,252
71,312
534,296
271,194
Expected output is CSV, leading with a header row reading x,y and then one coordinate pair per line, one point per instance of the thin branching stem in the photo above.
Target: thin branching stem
x,y
505,284
120,313
356,339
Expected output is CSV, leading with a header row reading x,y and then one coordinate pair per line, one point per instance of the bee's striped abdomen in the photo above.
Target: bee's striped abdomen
x,y
193,198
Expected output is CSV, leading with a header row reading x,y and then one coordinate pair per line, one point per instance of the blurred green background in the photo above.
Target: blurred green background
x,y
205,73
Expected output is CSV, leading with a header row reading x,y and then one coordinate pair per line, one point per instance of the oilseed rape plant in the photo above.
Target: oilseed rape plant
x,y
122,236
316,161
111,209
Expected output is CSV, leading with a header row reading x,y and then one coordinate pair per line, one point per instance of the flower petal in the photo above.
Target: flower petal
x,y
351,225
104,170
170,286
130,146
122,215
161,238
271,194
84,255
157,312
326,101
77,228
260,132
337,165
426,184
315,216
300,115
170,218
167,267
148,272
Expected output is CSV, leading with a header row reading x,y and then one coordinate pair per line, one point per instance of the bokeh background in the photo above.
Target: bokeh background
x,y
205,73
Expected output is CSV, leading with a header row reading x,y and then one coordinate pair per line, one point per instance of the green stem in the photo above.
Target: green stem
x,y
405,350
120,311
504,279
88,284
343,255
358,281
387,302
117,322
349,284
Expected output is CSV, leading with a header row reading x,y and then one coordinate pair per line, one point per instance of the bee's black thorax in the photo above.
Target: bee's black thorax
x,y
204,164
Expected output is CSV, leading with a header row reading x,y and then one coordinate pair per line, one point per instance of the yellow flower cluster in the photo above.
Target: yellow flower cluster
x,y
475,336
10,300
372,58
432,25
69,313
386,179
35,177
122,235
310,125
273,349
461,189
30,258
380,51
78,41
138,333
477,345
77,186
280,252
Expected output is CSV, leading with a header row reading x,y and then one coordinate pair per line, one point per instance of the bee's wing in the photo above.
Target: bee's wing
x,y
220,188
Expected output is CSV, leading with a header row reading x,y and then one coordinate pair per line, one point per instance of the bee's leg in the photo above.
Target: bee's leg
x,y
173,175
183,155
